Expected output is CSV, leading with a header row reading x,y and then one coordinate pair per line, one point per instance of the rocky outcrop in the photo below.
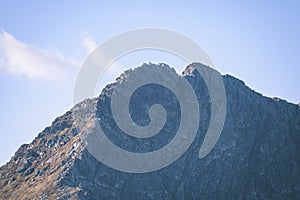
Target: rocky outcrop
x,y
256,157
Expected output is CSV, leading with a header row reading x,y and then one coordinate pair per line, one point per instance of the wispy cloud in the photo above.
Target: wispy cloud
x,y
89,44
21,59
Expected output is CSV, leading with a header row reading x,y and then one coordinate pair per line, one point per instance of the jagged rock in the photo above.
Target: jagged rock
x,y
256,157
29,171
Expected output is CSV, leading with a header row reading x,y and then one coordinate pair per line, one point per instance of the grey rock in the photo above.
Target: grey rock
x,y
256,157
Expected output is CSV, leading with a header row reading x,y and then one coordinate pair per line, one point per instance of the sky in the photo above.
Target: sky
x,y
44,43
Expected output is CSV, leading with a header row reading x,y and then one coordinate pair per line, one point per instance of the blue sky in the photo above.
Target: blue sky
x,y
43,43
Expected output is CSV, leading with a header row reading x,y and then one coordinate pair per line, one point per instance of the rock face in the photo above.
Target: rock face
x,y
256,157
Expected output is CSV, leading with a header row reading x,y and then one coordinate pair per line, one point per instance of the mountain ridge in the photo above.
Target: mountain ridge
x,y
56,164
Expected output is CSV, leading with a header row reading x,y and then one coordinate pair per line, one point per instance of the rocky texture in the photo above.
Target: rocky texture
x,y
256,157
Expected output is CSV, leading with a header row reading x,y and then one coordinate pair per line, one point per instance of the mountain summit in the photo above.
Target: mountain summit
x,y
256,156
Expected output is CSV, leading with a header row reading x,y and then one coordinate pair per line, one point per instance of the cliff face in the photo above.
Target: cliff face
x,y
256,157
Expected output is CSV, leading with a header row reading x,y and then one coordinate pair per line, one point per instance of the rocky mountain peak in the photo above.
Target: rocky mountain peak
x,y
256,157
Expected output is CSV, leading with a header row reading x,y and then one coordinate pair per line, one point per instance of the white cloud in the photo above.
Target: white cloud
x,y
89,44
21,59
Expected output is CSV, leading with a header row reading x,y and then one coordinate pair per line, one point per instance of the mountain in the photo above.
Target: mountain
x,y
256,156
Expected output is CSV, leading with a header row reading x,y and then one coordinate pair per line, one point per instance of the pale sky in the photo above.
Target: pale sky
x,y
43,44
